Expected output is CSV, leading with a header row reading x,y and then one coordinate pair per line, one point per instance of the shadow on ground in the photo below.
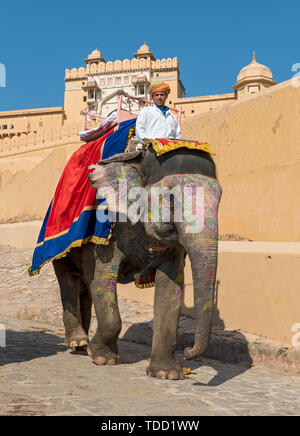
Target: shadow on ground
x,y
27,345
228,352
224,372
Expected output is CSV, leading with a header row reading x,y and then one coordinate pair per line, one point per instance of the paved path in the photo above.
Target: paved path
x,y
39,376
38,299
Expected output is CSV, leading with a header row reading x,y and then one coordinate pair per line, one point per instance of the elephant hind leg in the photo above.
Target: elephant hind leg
x,y
71,286
85,307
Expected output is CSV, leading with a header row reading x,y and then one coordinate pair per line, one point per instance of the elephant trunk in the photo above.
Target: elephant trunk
x,y
198,348
204,265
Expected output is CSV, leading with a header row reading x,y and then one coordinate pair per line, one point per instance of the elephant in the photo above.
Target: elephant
x,y
89,274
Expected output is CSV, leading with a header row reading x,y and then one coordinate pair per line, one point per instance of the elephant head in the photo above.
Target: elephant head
x,y
179,169
113,177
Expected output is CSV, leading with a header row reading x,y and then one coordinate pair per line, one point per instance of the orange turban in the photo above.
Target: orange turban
x,y
159,87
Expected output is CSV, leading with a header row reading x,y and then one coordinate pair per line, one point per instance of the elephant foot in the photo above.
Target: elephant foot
x,y
103,355
79,346
77,343
170,372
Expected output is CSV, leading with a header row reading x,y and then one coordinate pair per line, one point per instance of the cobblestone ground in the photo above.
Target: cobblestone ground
x,y
39,376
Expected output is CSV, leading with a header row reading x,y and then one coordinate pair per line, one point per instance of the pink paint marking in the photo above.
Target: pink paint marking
x,y
179,292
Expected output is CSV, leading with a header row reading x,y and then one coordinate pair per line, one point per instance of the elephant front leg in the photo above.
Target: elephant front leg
x,y
103,347
169,282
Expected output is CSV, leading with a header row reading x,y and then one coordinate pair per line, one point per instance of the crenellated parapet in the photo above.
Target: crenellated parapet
x,y
118,66
40,140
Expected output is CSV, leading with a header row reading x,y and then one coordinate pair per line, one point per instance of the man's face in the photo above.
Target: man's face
x,y
159,98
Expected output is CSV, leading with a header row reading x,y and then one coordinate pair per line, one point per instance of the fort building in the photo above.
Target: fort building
x,y
18,122
93,88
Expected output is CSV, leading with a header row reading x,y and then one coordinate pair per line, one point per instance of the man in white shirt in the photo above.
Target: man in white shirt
x,y
157,121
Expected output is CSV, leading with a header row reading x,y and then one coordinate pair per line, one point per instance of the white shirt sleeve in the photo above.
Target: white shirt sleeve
x,y
140,126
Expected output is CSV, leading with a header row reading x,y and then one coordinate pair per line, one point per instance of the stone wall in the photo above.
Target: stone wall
x,y
257,155
28,180
257,145
42,139
257,289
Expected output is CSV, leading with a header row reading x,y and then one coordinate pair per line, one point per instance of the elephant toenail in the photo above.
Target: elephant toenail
x,y
83,343
99,360
173,375
161,374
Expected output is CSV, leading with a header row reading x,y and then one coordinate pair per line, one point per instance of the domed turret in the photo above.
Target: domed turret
x,y
255,69
144,52
144,49
94,57
253,78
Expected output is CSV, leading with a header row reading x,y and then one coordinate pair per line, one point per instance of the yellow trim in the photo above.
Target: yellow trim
x,y
130,133
78,243
164,148
139,285
66,231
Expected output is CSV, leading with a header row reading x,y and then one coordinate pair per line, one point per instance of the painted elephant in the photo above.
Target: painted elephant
x,y
140,246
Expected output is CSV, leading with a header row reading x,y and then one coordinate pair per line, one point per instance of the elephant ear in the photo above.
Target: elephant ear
x,y
121,157
107,178
105,174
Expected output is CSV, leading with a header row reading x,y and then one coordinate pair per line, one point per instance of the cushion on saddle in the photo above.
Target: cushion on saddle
x,y
164,145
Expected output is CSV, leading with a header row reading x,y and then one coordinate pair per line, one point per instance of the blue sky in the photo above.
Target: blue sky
x,y
212,39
